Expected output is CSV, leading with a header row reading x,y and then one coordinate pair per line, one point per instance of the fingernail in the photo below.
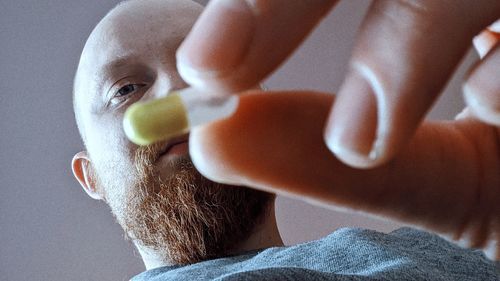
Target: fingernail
x,y
495,27
352,126
482,90
219,40
485,42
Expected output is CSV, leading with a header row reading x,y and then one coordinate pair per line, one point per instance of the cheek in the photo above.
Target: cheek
x,y
110,151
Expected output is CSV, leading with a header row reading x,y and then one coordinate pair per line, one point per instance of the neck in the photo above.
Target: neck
x,y
265,235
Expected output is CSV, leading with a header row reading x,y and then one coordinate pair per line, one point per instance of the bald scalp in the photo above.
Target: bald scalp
x,y
108,26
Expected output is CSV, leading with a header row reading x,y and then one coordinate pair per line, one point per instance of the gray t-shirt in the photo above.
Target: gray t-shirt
x,y
346,254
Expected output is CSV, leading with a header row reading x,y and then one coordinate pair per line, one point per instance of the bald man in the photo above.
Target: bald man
x,y
187,227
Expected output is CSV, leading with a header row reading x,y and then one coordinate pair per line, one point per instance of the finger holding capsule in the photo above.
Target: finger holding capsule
x,y
171,116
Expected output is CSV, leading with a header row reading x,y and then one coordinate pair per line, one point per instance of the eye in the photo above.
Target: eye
x,y
128,89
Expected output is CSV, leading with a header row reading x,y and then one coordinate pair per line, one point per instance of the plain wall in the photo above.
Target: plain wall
x,y
49,228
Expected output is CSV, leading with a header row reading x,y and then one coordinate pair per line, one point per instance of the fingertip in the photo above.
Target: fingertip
x,y
215,82
346,153
217,43
353,130
349,157
196,78
485,41
206,157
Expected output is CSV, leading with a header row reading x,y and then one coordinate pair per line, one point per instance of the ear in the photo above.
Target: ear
x,y
81,166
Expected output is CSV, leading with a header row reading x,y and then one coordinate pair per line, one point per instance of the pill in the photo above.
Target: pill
x,y
173,115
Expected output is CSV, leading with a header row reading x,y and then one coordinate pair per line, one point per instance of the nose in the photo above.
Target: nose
x,y
165,83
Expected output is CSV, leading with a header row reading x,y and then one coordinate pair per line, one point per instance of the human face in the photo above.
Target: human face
x,y
157,196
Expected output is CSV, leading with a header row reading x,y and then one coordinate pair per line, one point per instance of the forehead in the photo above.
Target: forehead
x,y
139,29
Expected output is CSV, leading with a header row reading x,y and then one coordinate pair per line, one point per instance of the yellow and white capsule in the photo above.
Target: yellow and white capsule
x,y
164,118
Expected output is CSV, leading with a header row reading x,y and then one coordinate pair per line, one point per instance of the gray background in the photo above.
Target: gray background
x,y
49,228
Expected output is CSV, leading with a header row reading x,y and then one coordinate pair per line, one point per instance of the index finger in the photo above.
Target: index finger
x,y
237,43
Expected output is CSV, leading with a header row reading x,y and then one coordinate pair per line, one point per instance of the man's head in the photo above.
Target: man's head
x,y
155,193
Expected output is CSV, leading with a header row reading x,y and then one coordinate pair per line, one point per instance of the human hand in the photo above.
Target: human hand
x,y
444,177
405,53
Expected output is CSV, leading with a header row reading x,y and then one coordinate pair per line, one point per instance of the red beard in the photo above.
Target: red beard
x,y
188,218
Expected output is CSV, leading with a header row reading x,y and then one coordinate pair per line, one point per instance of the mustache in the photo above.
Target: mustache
x,y
145,158
150,153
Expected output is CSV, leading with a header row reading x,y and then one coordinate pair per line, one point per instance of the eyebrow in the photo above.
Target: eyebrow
x,y
111,67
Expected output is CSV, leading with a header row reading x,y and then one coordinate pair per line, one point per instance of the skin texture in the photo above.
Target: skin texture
x,y
390,90
445,180
444,177
171,213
